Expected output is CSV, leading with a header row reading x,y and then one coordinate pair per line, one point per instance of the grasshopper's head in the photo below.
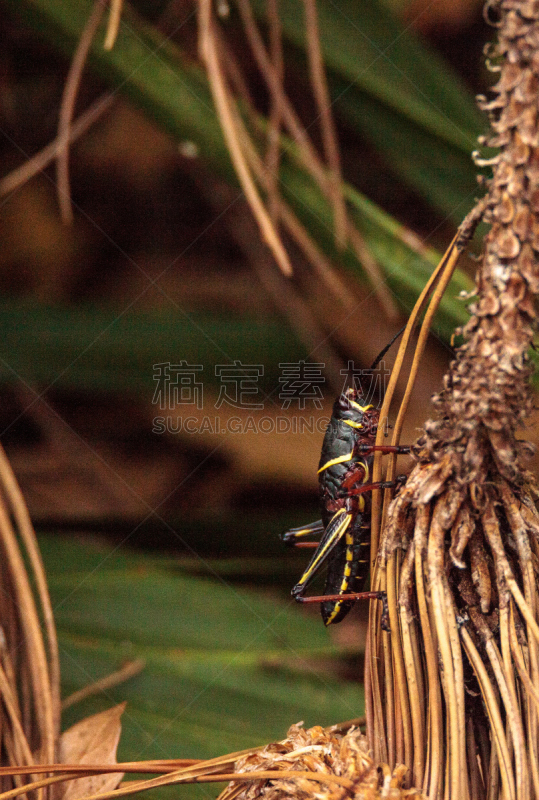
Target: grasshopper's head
x,y
350,406
353,410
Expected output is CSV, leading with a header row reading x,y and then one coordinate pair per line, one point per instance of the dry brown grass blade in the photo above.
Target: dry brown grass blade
x,y
157,766
398,667
393,715
342,727
29,665
435,567
36,786
394,669
476,780
19,746
496,724
492,533
448,261
291,222
29,671
378,653
191,773
298,232
434,753
513,720
235,74
67,108
435,286
35,663
209,53
39,161
129,670
113,25
265,775
374,709
516,650
308,156
327,125
232,791
532,696
275,115
21,516
179,777
307,151
412,667
316,257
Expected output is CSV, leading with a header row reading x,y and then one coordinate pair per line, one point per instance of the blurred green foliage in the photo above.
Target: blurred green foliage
x,y
226,668
384,82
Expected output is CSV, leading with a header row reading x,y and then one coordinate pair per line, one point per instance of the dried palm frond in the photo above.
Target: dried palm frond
x,y
452,689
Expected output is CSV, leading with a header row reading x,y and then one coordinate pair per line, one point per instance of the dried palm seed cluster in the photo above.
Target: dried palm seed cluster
x,y
344,758
486,392
460,551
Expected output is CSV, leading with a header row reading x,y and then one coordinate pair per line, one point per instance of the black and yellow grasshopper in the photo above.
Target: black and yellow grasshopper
x,y
344,473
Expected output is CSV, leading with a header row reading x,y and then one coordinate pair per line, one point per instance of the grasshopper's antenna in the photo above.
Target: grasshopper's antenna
x,y
380,355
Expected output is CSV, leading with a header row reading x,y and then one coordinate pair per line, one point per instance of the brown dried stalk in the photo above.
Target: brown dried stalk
x,y
38,162
326,763
289,220
243,150
29,674
327,125
113,25
458,547
273,152
129,670
67,108
209,52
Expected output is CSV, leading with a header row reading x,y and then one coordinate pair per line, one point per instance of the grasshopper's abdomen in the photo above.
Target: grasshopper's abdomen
x,y
348,569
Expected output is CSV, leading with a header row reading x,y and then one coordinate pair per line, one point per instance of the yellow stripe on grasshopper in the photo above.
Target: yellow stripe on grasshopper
x,y
353,424
360,408
334,613
342,590
339,531
338,460
345,581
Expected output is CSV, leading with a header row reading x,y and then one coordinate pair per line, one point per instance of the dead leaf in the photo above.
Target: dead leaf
x,y
92,741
